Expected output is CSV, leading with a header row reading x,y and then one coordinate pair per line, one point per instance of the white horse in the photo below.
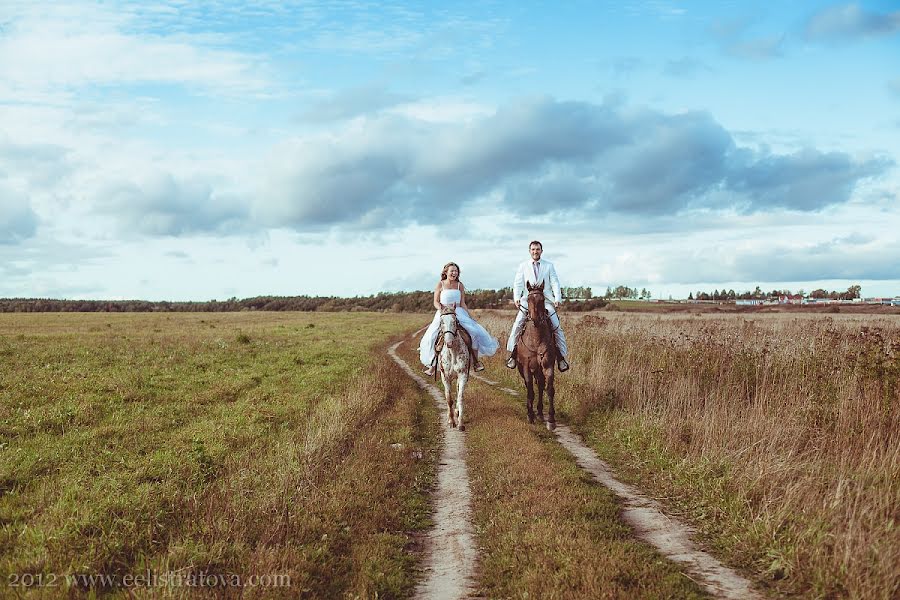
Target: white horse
x,y
454,364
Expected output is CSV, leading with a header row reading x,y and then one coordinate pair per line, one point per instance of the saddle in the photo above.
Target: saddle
x,y
465,335
439,345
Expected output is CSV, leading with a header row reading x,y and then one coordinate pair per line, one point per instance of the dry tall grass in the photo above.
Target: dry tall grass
x,y
780,435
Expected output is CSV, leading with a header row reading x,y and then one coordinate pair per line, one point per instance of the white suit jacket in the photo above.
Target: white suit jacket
x,y
546,273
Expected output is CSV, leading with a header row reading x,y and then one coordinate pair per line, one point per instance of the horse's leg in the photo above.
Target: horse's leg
x,y
529,386
550,374
445,379
461,380
540,395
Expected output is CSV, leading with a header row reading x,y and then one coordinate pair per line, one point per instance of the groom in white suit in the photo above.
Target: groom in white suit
x,y
536,271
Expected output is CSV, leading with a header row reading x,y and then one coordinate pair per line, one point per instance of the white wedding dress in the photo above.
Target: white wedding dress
x,y
482,341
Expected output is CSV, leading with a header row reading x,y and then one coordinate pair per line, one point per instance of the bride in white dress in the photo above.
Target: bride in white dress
x,y
450,290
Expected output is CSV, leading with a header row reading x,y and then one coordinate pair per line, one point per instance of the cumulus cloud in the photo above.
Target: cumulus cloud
x,y
806,180
850,21
17,219
162,205
541,156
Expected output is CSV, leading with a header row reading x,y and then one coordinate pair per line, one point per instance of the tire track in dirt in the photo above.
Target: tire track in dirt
x,y
668,535
450,551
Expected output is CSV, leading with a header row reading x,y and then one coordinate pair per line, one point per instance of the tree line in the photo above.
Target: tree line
x,y
382,302
757,294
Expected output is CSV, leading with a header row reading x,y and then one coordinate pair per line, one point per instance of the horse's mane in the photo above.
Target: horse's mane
x,y
538,310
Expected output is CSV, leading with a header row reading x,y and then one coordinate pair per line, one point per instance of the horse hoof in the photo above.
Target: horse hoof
x,y
531,419
462,427
551,425
540,417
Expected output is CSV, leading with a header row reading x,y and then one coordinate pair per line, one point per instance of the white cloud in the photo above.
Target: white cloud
x,y
70,46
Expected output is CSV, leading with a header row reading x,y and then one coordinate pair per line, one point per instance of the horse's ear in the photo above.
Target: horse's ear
x,y
541,287
528,285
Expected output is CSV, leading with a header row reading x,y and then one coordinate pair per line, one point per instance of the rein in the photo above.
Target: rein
x,y
535,321
543,318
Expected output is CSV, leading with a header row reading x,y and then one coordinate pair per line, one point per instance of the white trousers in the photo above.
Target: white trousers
x,y
557,332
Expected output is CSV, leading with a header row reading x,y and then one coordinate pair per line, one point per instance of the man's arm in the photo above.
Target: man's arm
x,y
554,285
518,284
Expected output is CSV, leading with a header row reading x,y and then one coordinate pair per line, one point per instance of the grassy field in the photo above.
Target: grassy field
x,y
545,529
242,444
253,444
777,435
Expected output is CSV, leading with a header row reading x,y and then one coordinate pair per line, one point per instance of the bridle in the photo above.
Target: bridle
x,y
543,316
454,320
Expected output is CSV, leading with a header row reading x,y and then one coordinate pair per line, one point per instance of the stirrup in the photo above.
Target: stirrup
x,y
511,362
563,365
429,370
479,366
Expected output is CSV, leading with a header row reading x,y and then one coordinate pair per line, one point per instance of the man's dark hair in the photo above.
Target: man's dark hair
x,y
533,242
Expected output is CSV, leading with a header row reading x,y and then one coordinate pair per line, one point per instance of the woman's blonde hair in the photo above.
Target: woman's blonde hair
x,y
447,267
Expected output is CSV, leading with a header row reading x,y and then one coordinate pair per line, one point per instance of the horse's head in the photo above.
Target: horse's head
x,y
536,309
449,324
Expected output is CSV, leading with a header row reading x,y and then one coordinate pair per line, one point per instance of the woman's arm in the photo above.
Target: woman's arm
x,y
437,296
462,296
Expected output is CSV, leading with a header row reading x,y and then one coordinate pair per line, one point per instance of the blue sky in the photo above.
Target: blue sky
x,y
195,150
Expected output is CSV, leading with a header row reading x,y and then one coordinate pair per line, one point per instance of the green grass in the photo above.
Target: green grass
x,y
230,443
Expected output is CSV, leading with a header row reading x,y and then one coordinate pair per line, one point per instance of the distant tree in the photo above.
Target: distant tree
x,y
691,296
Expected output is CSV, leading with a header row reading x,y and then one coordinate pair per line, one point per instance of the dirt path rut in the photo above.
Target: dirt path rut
x,y
450,548
669,536
450,551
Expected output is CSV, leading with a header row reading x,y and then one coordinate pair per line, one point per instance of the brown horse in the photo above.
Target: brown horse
x,y
536,355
